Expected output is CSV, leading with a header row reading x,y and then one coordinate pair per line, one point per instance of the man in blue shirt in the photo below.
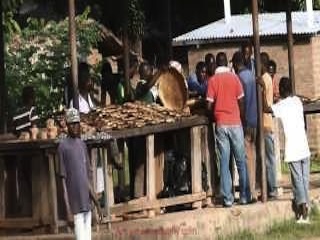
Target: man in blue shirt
x,y
249,122
197,82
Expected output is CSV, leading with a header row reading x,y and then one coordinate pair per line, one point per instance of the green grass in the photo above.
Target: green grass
x,y
287,230
314,167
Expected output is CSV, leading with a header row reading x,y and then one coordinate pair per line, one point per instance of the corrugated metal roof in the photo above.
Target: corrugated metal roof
x,y
240,26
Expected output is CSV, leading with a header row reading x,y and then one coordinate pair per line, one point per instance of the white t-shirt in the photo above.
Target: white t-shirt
x,y
84,106
290,111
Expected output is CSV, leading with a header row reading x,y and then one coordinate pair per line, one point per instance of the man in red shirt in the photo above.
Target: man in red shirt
x,y
225,101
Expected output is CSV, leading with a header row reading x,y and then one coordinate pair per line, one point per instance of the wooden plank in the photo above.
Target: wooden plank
x,y
145,204
164,127
40,189
93,153
53,192
196,157
151,171
18,223
121,172
108,186
2,190
311,108
14,146
137,162
205,145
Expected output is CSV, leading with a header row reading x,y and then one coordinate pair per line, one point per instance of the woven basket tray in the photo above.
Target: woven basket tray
x,y
173,91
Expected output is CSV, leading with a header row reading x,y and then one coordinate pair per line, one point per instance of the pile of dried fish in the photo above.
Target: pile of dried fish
x,y
129,115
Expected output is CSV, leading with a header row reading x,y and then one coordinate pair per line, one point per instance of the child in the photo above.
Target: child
x,y
145,90
297,154
75,173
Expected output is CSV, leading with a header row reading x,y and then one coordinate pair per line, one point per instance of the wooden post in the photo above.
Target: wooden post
x,y
2,190
73,50
261,152
159,165
3,89
53,193
108,187
196,158
126,50
40,185
205,145
290,45
94,153
121,172
169,28
151,173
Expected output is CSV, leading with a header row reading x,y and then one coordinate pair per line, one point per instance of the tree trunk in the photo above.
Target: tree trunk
x,y
3,90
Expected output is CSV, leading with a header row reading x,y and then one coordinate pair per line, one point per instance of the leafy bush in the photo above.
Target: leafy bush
x,y
39,55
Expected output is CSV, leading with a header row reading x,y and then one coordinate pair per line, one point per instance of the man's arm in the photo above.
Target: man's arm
x,y
266,107
210,106
242,111
63,174
143,88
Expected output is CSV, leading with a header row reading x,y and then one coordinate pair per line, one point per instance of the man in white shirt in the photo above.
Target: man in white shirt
x,y
86,104
297,154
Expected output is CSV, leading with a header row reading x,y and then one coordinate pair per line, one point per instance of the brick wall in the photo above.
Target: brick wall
x,y
307,70
313,121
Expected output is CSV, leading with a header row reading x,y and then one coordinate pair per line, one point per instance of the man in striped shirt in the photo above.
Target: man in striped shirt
x,y
26,116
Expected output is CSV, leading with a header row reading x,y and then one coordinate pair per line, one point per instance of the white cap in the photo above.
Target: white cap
x,y
72,115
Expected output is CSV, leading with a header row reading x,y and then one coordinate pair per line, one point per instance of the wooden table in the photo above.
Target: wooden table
x,y
197,126
44,188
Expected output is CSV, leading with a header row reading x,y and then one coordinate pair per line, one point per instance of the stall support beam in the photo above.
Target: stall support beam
x,y
53,192
2,190
196,159
108,187
3,89
151,173
290,45
73,52
261,148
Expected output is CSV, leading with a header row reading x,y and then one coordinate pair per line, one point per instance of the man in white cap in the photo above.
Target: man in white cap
x,y
75,171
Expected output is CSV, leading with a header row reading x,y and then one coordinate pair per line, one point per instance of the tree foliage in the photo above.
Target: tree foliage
x,y
39,56
9,5
136,19
10,26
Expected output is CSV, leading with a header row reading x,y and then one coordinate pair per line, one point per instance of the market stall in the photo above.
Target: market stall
x,y
153,123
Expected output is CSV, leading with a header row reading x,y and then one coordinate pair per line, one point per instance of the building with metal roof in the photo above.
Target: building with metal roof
x,y
240,26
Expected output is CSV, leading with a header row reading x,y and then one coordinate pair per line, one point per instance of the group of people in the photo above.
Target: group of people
x,y
231,94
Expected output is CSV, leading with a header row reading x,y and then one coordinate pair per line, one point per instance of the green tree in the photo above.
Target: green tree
x,y
9,5
39,56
